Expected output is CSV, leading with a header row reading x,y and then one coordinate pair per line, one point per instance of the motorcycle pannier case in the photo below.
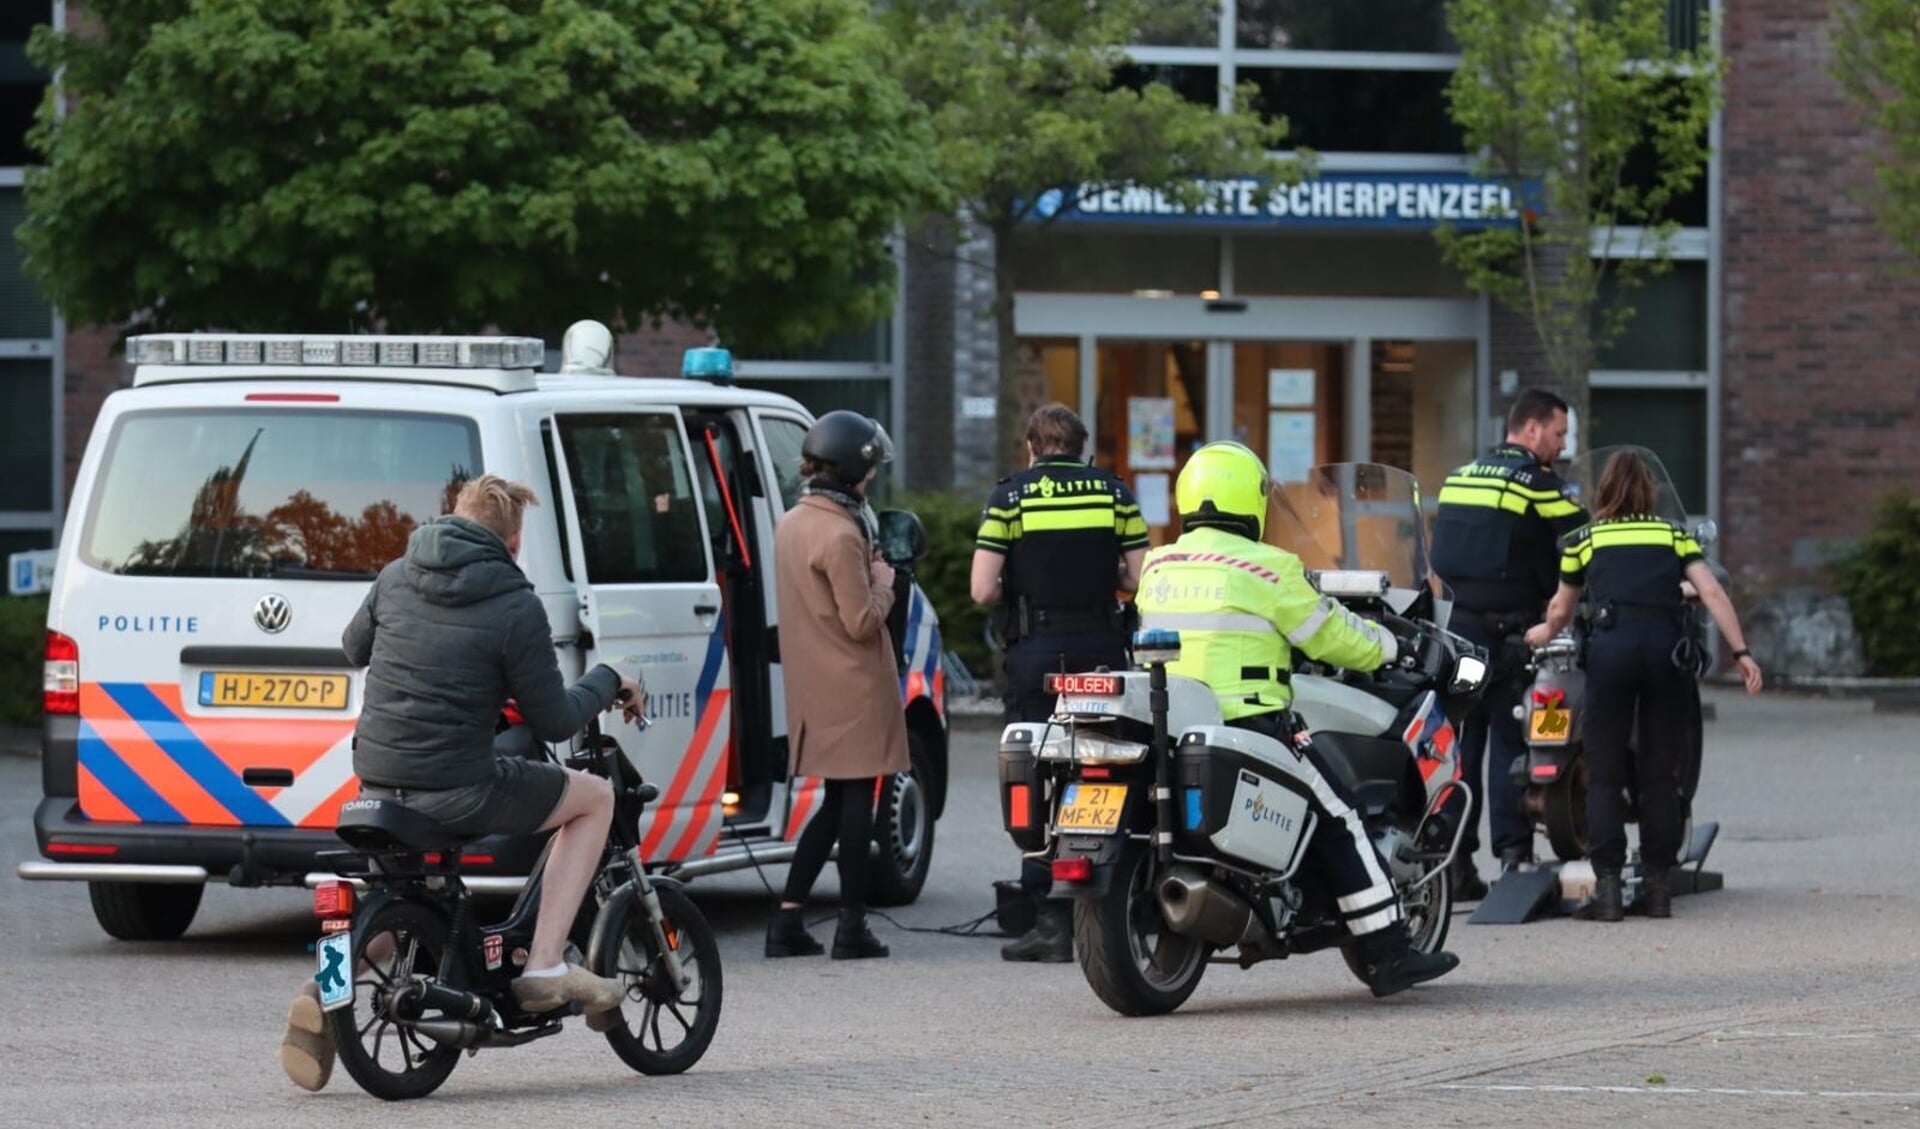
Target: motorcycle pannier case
x,y
1237,793
1023,799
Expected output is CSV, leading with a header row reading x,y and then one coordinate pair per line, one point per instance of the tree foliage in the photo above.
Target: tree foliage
x,y
1877,60
1567,97
1025,103
455,164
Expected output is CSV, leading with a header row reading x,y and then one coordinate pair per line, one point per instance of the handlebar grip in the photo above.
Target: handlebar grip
x,y
648,793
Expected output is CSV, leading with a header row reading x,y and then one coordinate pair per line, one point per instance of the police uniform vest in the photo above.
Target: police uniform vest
x,y
1241,607
1631,562
1495,532
1062,526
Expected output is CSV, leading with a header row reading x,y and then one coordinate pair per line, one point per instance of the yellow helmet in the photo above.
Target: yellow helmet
x,y
1224,484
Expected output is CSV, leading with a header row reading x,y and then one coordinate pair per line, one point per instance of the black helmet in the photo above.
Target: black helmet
x,y
852,443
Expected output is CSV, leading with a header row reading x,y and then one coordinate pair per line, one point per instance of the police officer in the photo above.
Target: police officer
x,y
1631,566
1056,542
1240,607
1496,541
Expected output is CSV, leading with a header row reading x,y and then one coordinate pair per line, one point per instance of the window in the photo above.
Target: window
x,y
1341,111
1180,24
1094,262
1668,330
26,435
1671,422
24,312
317,494
1346,25
634,497
1199,85
784,437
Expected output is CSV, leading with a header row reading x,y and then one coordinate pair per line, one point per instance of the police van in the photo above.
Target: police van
x,y
233,507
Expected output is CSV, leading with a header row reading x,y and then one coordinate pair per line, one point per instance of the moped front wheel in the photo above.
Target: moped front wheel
x,y
663,1027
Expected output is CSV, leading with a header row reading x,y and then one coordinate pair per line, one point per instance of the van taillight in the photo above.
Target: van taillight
x,y
62,681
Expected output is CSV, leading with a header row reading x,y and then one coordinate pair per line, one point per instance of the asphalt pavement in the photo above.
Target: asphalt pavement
x,y
1788,998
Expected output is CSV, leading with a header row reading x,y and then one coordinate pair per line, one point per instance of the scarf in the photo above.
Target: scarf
x,y
854,504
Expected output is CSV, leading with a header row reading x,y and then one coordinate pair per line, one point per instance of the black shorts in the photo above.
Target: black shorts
x,y
517,801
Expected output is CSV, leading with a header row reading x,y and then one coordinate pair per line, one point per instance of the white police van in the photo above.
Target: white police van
x,y
234,505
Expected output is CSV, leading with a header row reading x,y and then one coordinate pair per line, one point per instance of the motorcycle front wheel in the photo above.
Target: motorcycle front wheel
x,y
1133,962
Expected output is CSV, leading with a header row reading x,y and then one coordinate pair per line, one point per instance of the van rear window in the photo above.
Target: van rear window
x,y
314,494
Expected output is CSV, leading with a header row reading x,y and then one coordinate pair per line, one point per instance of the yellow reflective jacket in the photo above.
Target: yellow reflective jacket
x,y
1241,607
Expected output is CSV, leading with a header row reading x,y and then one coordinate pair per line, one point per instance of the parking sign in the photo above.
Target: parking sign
x,y
30,573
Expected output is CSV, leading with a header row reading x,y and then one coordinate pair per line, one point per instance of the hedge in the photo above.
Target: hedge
x,y
945,574
23,641
1881,582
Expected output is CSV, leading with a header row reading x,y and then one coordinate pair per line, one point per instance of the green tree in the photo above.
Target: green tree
x,y
1567,97
1027,113
456,164
1877,60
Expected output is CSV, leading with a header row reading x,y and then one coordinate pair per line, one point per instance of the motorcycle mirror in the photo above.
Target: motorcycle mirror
x,y
1707,532
1469,672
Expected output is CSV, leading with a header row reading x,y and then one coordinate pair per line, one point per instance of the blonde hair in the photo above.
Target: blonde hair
x,y
495,503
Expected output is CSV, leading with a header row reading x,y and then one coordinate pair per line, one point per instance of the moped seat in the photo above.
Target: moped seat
x,y
375,825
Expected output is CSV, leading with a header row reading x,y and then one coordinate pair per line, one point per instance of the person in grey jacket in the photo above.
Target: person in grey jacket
x,y
448,633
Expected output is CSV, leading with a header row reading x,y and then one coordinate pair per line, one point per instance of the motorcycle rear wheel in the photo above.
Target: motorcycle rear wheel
x,y
1133,962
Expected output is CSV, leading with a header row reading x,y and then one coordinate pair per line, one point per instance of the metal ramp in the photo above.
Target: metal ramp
x,y
1527,895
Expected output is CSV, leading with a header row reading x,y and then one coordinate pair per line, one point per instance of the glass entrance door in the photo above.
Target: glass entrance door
x,y
1150,412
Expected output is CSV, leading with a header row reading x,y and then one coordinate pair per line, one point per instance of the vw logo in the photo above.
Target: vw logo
x,y
272,614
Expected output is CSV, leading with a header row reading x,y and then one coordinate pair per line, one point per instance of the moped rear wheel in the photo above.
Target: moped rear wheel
x,y
399,944
662,1028
1563,809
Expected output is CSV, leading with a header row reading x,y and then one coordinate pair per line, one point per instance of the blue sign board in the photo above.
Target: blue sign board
x,y
30,573
1371,200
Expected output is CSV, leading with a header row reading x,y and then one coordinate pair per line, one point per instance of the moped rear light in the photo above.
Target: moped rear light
x,y
333,899
1072,870
1546,771
61,682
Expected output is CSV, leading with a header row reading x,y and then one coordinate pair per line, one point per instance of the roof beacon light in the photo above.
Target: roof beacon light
x,y
715,365
587,350
370,351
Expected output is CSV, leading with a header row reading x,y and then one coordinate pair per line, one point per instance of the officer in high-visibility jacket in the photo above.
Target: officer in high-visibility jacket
x,y
1241,606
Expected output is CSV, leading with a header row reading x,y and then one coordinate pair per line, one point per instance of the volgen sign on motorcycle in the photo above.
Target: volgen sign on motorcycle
x,y
1553,712
1180,838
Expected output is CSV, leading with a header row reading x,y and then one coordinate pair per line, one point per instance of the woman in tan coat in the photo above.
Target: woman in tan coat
x,y
844,718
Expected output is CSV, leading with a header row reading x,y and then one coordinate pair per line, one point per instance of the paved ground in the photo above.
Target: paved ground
x,y
1788,998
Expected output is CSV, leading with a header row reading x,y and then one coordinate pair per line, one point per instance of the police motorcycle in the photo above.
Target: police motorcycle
x,y
1553,774
410,977
1178,837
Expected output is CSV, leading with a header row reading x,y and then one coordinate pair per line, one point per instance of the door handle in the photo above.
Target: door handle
x,y
706,609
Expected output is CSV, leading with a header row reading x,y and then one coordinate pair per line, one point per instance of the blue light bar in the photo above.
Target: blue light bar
x,y
710,364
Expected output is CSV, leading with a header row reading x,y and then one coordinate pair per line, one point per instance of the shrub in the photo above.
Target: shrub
x,y
1878,579
946,572
23,640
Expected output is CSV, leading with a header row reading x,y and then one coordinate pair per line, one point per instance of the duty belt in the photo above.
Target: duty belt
x,y
1070,619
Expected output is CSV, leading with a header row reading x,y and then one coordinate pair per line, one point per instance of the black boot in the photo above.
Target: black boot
x,y
1604,905
853,940
787,936
1393,965
1657,898
1050,941
1467,883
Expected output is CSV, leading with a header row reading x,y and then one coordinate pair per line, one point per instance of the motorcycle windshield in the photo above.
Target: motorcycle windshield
x,y
1362,516
1583,480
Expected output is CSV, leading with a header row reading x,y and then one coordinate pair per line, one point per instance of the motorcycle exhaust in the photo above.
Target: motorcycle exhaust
x,y
451,1032
418,998
1194,906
